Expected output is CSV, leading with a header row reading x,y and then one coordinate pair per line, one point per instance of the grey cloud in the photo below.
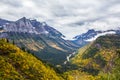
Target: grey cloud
x,y
13,3
69,17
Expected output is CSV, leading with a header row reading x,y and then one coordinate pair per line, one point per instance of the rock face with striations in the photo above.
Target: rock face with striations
x,y
30,26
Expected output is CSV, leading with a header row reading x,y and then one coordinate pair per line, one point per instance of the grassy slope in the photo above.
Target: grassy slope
x,y
99,60
16,64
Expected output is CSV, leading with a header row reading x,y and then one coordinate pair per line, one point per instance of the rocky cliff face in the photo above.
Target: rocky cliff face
x,y
30,26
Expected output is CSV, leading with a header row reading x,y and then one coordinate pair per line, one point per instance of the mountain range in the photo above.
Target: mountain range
x,y
33,50
44,41
38,38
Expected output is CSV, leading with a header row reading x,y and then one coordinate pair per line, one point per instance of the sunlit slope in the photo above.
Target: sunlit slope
x,y
18,65
99,60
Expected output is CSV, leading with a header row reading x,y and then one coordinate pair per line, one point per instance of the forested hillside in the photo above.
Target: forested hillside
x,y
16,64
99,60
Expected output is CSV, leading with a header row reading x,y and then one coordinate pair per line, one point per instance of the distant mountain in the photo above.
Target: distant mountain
x,y
92,35
3,22
39,38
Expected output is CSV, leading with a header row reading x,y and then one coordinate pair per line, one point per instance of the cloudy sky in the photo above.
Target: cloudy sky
x,y
71,17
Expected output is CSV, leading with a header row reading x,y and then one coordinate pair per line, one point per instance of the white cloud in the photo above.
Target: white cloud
x,y
69,17
114,8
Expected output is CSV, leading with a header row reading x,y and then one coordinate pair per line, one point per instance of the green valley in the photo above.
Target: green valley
x,y
99,60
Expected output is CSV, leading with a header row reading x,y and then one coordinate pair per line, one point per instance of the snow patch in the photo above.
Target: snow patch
x,y
100,34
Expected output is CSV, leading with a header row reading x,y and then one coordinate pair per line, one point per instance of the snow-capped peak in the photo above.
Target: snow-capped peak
x,y
91,35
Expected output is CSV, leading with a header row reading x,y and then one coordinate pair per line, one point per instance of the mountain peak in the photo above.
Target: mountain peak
x,y
24,19
30,26
92,35
91,30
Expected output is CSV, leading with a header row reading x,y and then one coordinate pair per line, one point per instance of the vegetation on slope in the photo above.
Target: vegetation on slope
x,y
44,47
99,60
19,65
